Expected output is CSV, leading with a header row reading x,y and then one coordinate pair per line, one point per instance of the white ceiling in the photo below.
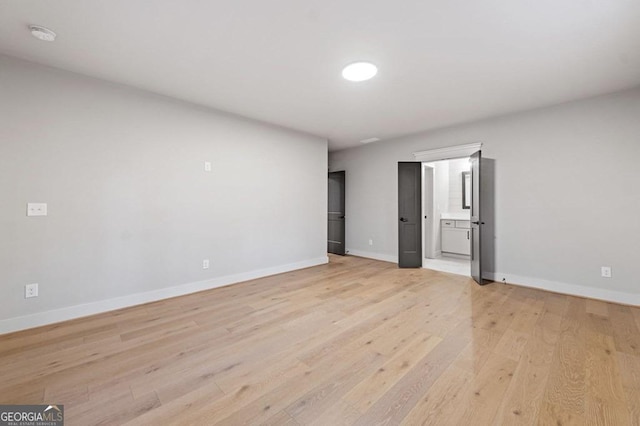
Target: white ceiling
x,y
440,62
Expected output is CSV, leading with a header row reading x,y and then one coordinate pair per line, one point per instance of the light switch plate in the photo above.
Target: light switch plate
x,y
31,290
36,209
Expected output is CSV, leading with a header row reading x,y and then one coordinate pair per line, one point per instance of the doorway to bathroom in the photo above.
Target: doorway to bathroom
x,y
425,236
447,215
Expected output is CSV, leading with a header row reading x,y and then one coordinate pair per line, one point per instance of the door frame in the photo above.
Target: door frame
x,y
428,209
439,154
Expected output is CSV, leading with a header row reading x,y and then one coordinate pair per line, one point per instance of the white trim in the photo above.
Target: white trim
x,y
566,288
376,256
537,283
447,153
71,312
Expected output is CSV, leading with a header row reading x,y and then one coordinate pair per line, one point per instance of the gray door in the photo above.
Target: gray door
x,y
476,220
335,242
409,215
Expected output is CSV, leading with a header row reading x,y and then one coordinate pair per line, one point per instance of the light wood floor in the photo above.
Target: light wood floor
x,y
356,341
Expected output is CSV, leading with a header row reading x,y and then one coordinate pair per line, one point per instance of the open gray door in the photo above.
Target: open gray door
x,y
409,215
476,220
335,234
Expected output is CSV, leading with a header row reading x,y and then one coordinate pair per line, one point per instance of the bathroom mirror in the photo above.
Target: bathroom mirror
x,y
466,190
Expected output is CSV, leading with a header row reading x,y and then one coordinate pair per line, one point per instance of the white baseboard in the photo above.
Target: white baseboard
x,y
566,288
370,255
541,284
49,317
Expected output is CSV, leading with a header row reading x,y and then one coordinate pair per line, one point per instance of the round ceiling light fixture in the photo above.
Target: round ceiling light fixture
x,y
42,33
359,71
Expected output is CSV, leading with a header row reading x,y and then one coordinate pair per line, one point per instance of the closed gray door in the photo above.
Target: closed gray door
x,y
336,214
476,220
409,215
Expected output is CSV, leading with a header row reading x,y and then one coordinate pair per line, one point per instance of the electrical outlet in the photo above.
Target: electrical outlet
x,y
370,241
606,271
207,166
30,290
36,209
205,264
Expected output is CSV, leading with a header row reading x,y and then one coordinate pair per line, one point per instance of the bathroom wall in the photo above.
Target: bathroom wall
x,y
447,196
440,197
442,187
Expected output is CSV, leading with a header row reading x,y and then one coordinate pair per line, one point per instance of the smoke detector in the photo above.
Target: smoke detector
x,y
42,33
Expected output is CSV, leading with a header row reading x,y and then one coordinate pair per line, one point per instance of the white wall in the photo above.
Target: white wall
x,y
132,213
442,187
456,167
566,193
440,200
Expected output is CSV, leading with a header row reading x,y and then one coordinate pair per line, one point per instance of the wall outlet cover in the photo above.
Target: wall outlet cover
x,y
30,290
36,209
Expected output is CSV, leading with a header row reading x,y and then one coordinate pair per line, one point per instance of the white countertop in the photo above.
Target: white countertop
x,y
456,216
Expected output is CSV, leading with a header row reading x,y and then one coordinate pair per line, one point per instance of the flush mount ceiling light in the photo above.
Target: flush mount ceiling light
x,y
359,71
42,33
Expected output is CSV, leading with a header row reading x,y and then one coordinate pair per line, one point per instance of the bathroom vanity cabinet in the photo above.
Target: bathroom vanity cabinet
x,y
456,236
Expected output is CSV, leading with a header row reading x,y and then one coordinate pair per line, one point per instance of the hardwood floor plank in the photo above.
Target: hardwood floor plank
x,y
629,368
512,344
527,315
319,400
564,397
483,395
626,333
443,400
597,307
366,393
320,386
521,404
605,401
102,412
396,403
339,414
208,398
281,418
70,395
